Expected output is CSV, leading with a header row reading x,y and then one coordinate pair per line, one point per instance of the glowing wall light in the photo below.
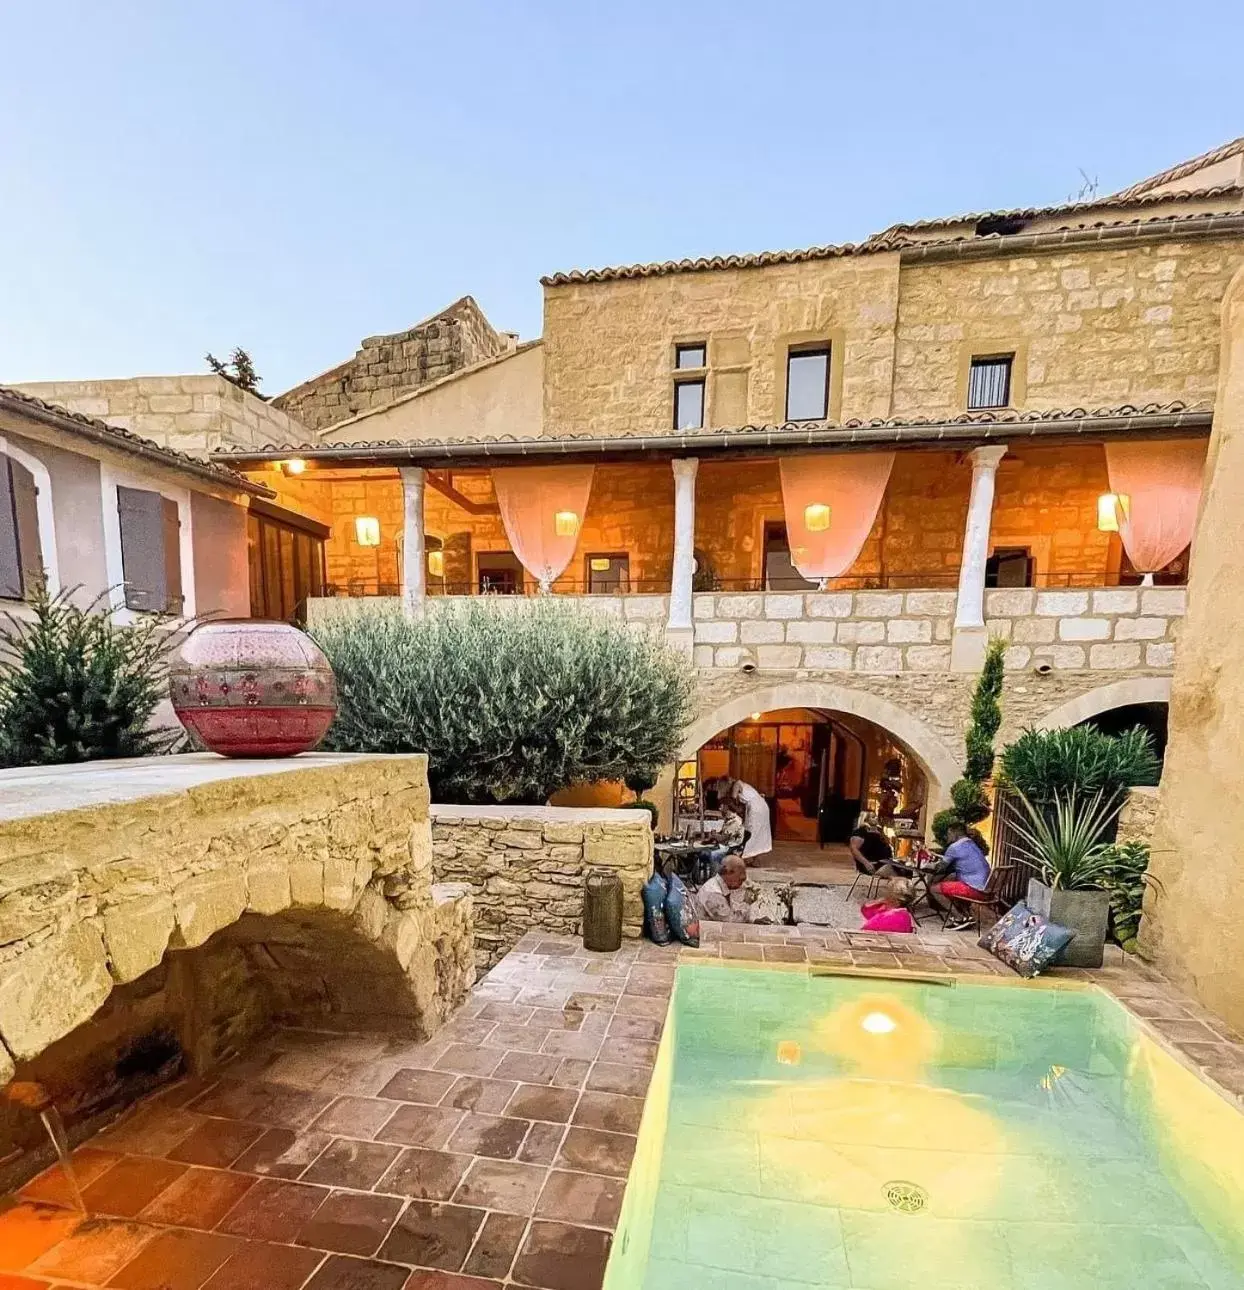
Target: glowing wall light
x,y
816,517
565,523
436,563
367,530
1110,506
294,466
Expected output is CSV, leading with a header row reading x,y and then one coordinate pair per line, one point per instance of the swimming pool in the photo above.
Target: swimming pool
x,y
805,1131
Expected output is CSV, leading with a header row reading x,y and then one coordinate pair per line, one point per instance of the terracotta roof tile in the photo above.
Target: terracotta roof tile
x,y
1189,167
1050,417
899,237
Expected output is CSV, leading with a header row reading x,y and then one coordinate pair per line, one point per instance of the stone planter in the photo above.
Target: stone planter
x,y
1085,912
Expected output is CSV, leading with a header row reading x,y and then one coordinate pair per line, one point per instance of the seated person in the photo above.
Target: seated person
x,y
965,875
872,852
728,897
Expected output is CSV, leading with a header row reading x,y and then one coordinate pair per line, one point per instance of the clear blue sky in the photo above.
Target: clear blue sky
x,y
291,176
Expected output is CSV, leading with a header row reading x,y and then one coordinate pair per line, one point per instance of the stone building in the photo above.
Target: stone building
x,y
387,367
1001,357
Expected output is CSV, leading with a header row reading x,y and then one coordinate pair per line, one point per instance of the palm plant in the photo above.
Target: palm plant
x,y
1067,841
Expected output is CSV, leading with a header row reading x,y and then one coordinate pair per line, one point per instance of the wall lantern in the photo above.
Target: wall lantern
x,y
565,523
436,563
294,466
367,530
816,517
1109,507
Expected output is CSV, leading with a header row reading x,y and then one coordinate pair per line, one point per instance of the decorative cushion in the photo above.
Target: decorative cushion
x,y
1025,941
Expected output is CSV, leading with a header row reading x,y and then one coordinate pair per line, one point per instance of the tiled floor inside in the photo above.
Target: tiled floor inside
x,y
496,1154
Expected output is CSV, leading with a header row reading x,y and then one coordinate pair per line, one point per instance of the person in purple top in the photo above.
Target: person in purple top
x,y
965,877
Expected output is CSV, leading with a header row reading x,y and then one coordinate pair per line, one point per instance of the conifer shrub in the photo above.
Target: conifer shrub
x,y
968,795
75,686
511,699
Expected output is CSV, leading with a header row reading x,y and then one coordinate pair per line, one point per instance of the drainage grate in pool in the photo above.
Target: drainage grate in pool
x,y
906,1197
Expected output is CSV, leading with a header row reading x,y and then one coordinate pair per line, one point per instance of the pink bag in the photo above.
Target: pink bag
x,y
887,920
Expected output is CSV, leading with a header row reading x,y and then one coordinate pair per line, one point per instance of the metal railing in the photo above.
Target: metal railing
x,y
940,580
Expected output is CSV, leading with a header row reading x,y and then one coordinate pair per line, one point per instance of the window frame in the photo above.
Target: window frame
x,y
624,589
45,515
996,357
682,347
520,587
809,349
689,376
679,386
114,566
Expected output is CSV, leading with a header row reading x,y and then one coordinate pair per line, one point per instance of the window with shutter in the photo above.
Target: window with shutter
x,y
21,557
143,560
173,596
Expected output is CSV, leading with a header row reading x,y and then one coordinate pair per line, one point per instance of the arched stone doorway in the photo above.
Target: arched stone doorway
x,y
939,765
1141,701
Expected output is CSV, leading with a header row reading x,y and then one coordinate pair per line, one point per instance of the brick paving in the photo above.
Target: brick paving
x,y
494,1155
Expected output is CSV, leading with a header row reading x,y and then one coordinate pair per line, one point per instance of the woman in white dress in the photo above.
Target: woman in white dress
x,y
749,803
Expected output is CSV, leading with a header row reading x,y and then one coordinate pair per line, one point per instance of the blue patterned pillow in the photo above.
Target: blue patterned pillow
x,y
1025,941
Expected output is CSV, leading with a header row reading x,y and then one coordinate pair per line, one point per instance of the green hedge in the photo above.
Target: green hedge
x,y
511,699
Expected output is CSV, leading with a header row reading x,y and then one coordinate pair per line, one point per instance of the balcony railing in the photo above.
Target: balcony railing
x,y
928,581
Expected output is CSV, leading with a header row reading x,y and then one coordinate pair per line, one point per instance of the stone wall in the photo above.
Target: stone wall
x,y
388,366
1089,328
1104,630
1191,923
1138,816
194,414
105,868
526,865
1094,328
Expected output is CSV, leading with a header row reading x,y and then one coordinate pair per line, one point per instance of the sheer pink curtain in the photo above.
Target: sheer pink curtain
x,y
831,500
542,508
1161,479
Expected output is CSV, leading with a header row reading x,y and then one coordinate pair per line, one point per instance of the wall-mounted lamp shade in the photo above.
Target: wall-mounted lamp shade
x,y
294,466
367,530
816,517
436,563
565,523
600,564
1111,507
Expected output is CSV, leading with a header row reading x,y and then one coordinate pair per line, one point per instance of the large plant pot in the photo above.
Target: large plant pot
x,y
1086,913
249,688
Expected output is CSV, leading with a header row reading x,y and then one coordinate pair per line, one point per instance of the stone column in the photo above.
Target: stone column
x,y
967,650
680,629
414,556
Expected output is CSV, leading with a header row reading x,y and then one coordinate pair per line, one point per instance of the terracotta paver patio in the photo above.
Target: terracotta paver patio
x,y
494,1155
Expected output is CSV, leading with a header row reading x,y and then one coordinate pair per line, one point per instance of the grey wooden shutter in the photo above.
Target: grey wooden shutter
x,y
142,549
172,557
26,515
10,554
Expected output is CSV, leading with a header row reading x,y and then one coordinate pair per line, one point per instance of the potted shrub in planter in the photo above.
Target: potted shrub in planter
x,y
1067,843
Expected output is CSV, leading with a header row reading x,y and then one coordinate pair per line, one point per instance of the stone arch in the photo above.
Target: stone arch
x,y
940,766
1118,694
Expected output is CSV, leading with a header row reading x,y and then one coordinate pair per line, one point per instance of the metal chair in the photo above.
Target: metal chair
x,y
863,871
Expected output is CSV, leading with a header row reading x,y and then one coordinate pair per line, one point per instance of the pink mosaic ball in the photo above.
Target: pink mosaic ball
x,y
249,688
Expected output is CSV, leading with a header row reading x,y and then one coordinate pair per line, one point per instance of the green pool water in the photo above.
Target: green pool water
x,y
833,1132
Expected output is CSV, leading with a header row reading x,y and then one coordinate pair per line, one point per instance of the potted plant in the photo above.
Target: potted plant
x,y
1066,841
639,782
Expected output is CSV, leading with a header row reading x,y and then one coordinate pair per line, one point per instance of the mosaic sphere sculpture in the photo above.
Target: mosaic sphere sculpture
x,y
250,688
